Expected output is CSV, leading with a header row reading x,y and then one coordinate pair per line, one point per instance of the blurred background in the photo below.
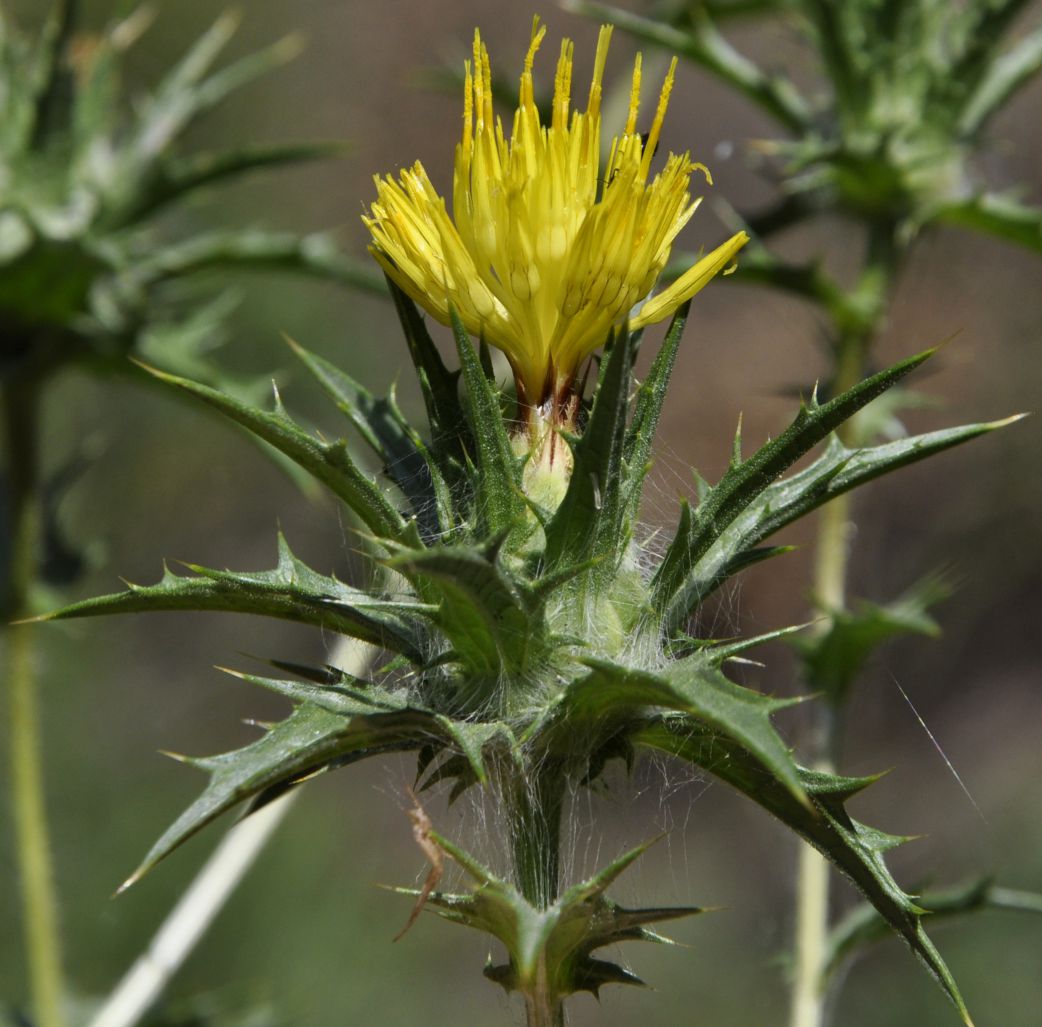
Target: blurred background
x,y
308,938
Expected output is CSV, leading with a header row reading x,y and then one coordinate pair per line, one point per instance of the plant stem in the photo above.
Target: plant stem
x,y
541,1011
807,1007
832,560
188,921
535,830
39,906
144,983
535,803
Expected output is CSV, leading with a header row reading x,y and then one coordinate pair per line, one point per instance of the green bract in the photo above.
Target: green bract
x,y
524,646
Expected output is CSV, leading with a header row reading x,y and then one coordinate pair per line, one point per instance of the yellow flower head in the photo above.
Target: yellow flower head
x,y
546,252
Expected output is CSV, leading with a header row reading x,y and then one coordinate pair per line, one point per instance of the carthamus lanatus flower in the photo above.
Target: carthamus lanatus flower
x,y
545,250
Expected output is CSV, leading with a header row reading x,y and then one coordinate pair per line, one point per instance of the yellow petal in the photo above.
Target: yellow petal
x,y
661,306
544,252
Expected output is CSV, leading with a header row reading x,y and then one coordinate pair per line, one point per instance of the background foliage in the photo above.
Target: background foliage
x,y
309,936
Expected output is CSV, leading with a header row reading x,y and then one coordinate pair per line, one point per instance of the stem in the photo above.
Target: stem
x,y
535,806
188,921
540,1011
39,905
832,561
535,830
148,978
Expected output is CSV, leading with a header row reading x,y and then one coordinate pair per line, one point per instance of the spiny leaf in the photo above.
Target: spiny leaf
x,y
863,926
647,409
363,699
171,104
855,849
718,651
998,215
338,692
308,741
700,42
498,487
257,249
55,98
610,694
554,943
596,885
96,99
837,470
331,464
185,92
290,592
479,610
833,660
588,523
1005,74
744,482
406,460
176,178
471,737
451,436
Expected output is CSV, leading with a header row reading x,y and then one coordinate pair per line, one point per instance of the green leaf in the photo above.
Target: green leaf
x,y
588,524
172,105
472,737
647,409
703,44
998,215
177,177
96,100
257,249
478,610
336,691
838,470
833,660
1004,75
54,100
346,696
185,91
310,740
777,504
610,694
500,505
986,25
329,463
405,458
451,437
292,591
863,926
854,848
745,481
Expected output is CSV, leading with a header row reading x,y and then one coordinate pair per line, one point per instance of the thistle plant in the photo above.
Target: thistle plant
x,y
528,632
87,276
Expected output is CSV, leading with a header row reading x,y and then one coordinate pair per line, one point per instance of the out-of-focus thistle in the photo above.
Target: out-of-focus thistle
x,y
82,270
898,126
894,136
529,637
86,277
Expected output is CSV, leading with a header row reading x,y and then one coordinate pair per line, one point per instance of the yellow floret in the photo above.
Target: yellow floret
x,y
544,253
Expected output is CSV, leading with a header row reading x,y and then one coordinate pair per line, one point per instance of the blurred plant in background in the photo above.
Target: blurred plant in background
x,y
87,277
